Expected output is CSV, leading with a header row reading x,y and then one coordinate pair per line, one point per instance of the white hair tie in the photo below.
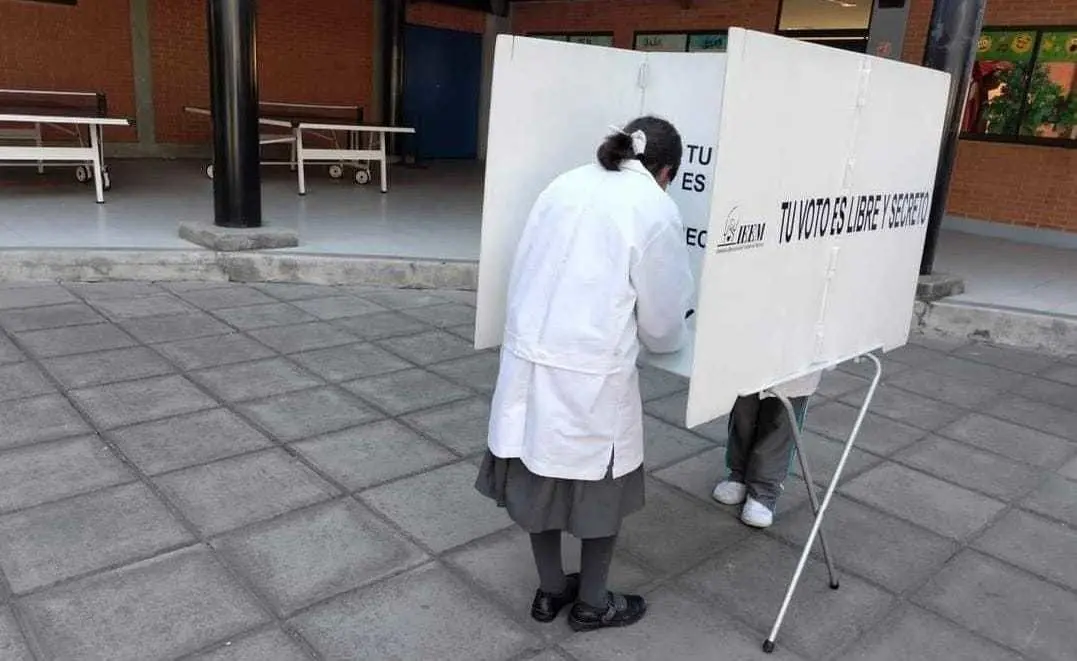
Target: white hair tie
x,y
639,140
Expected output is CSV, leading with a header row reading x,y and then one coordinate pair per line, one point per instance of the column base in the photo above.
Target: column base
x,y
938,286
235,239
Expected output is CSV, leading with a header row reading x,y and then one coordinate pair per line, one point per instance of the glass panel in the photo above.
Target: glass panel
x,y
1051,111
825,15
707,42
662,42
551,37
593,39
999,78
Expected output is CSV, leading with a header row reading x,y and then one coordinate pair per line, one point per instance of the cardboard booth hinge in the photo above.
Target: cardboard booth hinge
x,y
642,80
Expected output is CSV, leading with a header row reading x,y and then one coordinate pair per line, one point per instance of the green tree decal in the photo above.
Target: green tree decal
x,y
1046,104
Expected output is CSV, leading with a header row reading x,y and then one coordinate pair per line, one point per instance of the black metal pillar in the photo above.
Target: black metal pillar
x,y
233,76
951,47
392,35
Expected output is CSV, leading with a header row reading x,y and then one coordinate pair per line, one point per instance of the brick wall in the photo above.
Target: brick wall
x,y
625,18
305,55
1007,183
87,49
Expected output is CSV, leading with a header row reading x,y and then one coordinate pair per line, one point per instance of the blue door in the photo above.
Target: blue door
x,y
442,78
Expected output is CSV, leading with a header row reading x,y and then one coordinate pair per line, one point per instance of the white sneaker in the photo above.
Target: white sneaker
x,y
756,514
729,492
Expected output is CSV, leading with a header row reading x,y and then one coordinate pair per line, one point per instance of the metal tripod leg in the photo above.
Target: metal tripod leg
x,y
768,644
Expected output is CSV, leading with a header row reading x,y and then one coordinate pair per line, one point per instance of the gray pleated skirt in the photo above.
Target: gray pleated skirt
x,y
583,508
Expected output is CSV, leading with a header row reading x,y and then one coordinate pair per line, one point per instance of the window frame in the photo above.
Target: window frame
x,y
688,37
574,33
1018,139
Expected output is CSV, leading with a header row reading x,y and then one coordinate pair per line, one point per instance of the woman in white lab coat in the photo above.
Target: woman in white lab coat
x,y
601,266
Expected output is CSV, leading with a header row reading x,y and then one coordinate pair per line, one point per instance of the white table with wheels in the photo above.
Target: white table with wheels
x,y
359,153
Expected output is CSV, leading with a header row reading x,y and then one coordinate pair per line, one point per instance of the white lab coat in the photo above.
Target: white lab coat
x,y
602,264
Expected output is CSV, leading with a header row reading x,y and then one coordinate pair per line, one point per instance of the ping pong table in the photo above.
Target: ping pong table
x,y
293,123
56,127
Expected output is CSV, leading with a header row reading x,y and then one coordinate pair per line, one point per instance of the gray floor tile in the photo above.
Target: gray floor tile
x,y
354,361
503,565
936,505
53,316
1042,547
100,291
461,426
750,581
287,291
307,413
174,327
75,339
12,644
336,307
427,348
914,355
166,445
974,371
678,626
836,383
38,419
233,492
823,457
266,644
1062,373
407,390
157,609
1069,470
424,614
22,380
304,337
363,456
1057,498
655,383
672,409
950,389
46,544
225,297
697,475
9,353
866,369
93,369
464,296
1010,440
1044,417
50,471
1006,605
1006,358
144,306
402,299
317,553
884,549
214,351
917,635
444,316
34,296
264,316
699,533
665,444
937,342
118,404
879,435
982,471
478,372
383,325
907,407
234,383
1049,392
466,332
440,508
194,285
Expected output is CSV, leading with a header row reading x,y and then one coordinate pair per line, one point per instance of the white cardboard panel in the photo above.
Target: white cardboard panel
x,y
816,129
552,104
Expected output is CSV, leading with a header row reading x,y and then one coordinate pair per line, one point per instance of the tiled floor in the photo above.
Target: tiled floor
x,y
281,472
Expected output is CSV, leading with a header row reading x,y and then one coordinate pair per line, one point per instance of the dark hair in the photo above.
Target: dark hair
x,y
663,146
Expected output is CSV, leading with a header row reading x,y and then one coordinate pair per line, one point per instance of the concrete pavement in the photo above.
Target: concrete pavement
x,y
226,471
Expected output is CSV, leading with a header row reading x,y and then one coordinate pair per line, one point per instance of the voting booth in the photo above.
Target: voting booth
x,y
804,188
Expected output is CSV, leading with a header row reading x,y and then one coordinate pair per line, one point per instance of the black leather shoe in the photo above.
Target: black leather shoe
x,y
621,610
546,606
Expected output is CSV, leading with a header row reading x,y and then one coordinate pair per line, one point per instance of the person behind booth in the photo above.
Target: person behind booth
x,y
601,267
760,450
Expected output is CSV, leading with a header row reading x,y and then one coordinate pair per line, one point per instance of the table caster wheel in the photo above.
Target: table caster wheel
x,y
106,180
83,174
362,177
336,171
209,170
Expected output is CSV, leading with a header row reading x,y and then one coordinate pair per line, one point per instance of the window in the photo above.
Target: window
x,y
824,15
1024,87
681,42
594,39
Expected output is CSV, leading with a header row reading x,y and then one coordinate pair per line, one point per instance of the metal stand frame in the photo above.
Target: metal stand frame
x,y
819,510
